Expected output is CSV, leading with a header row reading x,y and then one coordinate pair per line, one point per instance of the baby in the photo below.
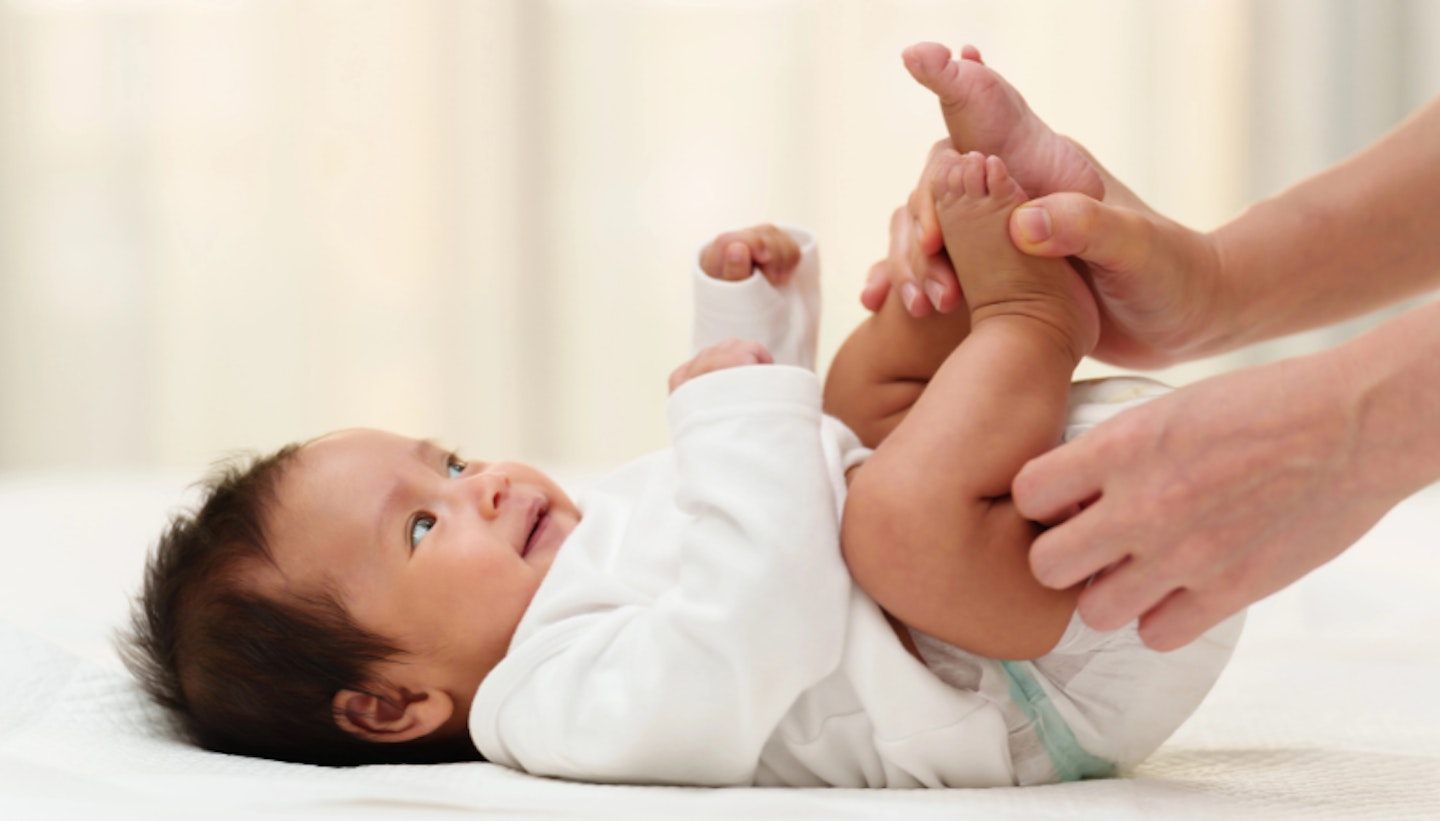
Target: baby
x,y
768,601
707,616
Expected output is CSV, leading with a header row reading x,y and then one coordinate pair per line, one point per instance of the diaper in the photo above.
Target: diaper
x,y
1092,401
1096,705
1099,702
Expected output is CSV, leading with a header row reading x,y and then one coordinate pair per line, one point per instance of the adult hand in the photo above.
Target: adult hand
x,y
1202,501
917,263
1159,285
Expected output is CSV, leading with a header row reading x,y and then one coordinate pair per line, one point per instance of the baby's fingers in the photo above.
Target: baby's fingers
x,y
731,353
679,375
776,253
734,255
727,257
736,264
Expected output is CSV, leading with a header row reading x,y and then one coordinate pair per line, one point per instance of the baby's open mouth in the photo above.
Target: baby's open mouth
x,y
542,517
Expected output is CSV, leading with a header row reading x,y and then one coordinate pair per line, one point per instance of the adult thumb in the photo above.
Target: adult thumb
x,y
1068,224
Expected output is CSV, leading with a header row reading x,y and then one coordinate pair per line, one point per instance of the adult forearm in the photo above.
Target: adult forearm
x,y
1392,377
1201,502
1359,236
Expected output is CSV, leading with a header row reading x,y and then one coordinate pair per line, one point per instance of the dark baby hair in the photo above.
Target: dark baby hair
x,y
245,673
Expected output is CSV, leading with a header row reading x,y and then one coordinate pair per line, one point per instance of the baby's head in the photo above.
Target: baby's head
x,y
340,601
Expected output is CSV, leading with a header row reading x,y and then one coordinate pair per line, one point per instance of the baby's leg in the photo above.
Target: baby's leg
x,y
889,359
1028,300
930,531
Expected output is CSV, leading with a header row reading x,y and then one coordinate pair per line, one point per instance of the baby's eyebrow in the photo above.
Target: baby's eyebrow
x,y
427,451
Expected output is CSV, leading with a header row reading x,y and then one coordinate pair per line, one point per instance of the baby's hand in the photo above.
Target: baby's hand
x,y
731,353
734,254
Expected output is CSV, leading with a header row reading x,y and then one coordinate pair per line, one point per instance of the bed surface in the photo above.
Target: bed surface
x,y
1328,711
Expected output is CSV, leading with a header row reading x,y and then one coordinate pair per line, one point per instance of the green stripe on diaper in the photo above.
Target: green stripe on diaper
x,y
1071,761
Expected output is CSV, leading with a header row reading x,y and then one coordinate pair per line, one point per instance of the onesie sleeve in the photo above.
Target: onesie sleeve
x,y
785,318
688,687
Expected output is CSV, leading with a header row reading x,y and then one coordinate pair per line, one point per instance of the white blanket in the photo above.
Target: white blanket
x,y
1323,713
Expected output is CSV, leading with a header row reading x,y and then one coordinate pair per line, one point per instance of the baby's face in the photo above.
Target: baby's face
x,y
438,555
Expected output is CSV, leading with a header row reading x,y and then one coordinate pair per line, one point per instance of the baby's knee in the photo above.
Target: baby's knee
x,y
882,512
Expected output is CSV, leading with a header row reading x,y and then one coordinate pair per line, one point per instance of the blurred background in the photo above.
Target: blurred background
x,y
236,223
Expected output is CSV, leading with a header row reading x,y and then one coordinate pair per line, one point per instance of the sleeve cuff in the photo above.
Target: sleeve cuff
x,y
777,386
745,298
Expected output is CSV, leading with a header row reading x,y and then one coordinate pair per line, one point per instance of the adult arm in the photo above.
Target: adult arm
x,y
1356,237
1250,480
1353,238
1213,497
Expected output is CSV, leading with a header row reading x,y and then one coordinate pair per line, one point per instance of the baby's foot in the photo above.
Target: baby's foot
x,y
974,196
985,113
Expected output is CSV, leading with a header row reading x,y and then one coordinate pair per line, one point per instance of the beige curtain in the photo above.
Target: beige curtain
x,y
236,223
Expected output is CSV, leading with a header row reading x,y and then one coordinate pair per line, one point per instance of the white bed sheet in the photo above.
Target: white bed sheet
x,y
1323,714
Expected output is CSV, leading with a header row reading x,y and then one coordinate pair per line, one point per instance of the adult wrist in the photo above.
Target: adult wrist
x,y
1226,314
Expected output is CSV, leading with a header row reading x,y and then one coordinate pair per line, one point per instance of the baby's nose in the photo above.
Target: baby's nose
x,y
498,490
491,488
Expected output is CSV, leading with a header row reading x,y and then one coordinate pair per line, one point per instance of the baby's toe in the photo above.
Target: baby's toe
x,y
927,62
945,177
973,173
999,182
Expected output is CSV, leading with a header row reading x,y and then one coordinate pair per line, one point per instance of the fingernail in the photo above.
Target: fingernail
x,y
910,295
936,293
1034,222
1046,577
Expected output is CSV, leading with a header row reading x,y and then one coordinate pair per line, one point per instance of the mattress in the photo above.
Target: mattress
x,y
1322,714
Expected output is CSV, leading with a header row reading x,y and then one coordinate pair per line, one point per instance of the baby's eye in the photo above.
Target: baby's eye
x,y
419,526
456,466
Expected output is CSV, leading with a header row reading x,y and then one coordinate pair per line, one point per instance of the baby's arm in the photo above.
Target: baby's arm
x,y
779,306
885,364
930,531
671,645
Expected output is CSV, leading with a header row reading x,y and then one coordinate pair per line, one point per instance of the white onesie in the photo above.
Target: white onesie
x,y
699,625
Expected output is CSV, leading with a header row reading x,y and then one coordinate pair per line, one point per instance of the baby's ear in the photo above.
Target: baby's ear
x,y
392,714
